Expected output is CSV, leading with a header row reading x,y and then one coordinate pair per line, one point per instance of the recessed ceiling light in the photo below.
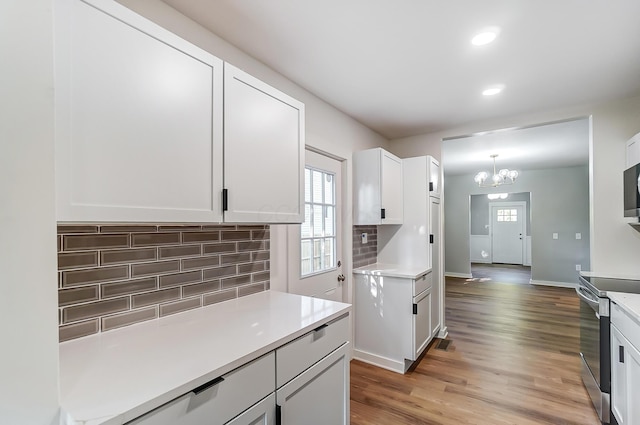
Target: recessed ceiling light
x,y
485,37
492,91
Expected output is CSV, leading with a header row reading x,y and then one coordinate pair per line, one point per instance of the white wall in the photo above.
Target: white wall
x,y
28,283
559,204
614,244
327,129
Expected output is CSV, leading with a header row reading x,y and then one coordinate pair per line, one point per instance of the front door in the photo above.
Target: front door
x,y
507,233
315,247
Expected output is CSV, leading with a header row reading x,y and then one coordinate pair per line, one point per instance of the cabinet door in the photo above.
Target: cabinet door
x,y
436,275
633,151
263,151
320,395
421,323
618,377
633,385
625,378
434,177
262,413
391,187
138,119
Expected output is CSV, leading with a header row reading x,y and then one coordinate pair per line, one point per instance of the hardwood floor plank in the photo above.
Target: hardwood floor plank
x,y
513,359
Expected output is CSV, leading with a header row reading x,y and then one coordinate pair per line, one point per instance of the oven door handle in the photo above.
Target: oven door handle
x,y
588,298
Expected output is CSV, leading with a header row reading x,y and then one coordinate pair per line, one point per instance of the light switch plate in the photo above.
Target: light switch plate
x,y
364,238
578,235
555,236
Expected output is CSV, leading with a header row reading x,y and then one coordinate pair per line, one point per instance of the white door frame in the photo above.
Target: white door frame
x,y
523,222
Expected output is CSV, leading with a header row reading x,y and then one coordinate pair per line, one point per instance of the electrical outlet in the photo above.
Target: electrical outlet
x,y
364,238
555,236
578,235
578,267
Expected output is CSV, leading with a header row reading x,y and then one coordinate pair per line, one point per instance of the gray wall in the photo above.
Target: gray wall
x,y
559,203
480,211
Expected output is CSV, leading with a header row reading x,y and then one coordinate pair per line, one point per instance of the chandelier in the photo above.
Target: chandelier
x,y
504,176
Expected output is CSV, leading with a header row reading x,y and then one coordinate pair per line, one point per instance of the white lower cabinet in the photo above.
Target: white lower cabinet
x,y
625,368
319,395
392,319
308,378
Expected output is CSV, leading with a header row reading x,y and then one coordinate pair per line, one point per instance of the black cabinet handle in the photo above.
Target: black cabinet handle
x,y
207,385
430,186
321,327
415,309
383,214
225,199
278,414
621,353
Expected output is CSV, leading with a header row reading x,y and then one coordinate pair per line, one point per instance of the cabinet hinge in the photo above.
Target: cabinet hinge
x,y
415,309
278,414
430,238
225,199
383,213
621,353
430,186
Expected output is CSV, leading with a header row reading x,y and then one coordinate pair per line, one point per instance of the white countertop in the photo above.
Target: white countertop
x,y
392,270
630,303
114,377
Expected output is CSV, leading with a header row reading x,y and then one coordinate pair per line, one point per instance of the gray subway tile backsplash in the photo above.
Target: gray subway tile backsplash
x,y
365,254
117,275
179,306
119,256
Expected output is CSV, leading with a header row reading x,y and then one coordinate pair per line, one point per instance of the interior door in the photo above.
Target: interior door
x,y
315,246
507,233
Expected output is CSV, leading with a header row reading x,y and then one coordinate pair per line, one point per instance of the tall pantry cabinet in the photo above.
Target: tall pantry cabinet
x,y
417,242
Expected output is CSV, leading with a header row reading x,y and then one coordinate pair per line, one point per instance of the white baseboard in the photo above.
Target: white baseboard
x,y
383,362
460,275
482,261
552,283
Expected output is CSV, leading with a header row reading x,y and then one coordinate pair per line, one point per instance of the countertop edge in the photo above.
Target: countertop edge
x,y
392,270
629,303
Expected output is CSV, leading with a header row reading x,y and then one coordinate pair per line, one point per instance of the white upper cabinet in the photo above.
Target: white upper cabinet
x,y
140,115
138,119
377,187
434,177
263,151
633,151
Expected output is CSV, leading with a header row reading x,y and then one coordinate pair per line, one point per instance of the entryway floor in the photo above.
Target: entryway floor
x,y
504,273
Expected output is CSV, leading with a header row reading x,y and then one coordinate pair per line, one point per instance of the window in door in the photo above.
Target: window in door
x,y
318,232
507,215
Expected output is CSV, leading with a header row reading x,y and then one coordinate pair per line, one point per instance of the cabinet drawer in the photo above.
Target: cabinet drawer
x,y
627,326
221,402
421,284
295,357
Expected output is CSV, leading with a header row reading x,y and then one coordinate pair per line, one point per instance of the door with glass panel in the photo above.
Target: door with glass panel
x,y
315,246
508,233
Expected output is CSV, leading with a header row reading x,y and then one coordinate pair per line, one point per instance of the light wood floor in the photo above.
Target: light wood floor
x,y
504,273
513,359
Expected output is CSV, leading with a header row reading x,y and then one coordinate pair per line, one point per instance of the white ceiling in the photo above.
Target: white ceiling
x,y
407,67
554,145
